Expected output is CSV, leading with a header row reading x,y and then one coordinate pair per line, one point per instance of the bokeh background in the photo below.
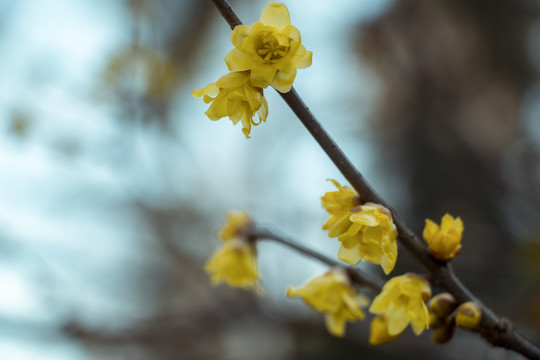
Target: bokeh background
x,y
113,183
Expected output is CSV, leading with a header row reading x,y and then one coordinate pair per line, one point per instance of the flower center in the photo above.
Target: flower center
x,y
272,48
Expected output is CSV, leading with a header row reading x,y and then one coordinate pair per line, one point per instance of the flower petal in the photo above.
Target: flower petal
x,y
335,323
239,33
276,15
253,97
397,321
262,75
302,58
218,108
283,81
211,89
235,110
263,111
350,256
233,80
237,60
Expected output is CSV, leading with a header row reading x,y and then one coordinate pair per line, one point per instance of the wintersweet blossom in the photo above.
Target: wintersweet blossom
x,y
270,48
366,232
235,263
333,294
234,96
403,301
445,241
339,203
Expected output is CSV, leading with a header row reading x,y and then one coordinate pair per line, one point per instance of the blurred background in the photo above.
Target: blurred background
x,y
113,183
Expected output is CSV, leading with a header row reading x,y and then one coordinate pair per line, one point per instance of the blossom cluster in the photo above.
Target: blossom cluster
x,y
267,53
366,232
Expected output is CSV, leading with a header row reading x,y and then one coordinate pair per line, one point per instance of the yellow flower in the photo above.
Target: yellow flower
x,y
444,241
366,232
333,294
270,48
339,203
403,301
468,315
233,96
235,263
378,334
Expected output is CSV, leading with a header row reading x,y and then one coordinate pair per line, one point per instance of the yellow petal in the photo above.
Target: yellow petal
x,y
335,324
262,75
233,80
293,33
239,33
378,334
340,227
236,60
217,109
246,125
253,96
388,264
302,58
397,321
430,229
235,264
263,110
362,218
235,110
276,15
283,81
350,256
211,89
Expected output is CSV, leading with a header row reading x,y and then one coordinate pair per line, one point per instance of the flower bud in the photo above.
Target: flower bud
x,y
468,315
444,241
442,305
443,334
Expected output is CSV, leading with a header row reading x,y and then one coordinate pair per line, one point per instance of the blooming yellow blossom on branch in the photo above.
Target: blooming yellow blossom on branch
x,y
445,241
234,96
366,232
270,48
235,263
333,294
402,301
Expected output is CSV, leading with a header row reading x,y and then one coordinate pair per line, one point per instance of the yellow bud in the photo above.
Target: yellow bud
x,y
442,305
444,241
468,315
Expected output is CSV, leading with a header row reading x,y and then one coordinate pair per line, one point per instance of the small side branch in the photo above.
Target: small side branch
x,y
358,276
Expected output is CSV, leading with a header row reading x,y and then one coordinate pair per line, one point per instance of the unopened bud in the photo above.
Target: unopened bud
x,y
443,334
468,315
442,305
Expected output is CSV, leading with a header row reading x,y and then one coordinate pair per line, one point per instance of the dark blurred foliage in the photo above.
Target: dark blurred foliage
x,y
450,125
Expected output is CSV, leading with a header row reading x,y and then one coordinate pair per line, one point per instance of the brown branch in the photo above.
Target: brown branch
x,y
497,331
356,275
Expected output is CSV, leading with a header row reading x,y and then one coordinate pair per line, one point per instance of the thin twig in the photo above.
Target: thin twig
x,y
498,332
358,276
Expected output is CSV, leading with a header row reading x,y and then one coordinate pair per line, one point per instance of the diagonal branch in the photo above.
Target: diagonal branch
x,y
356,275
497,331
